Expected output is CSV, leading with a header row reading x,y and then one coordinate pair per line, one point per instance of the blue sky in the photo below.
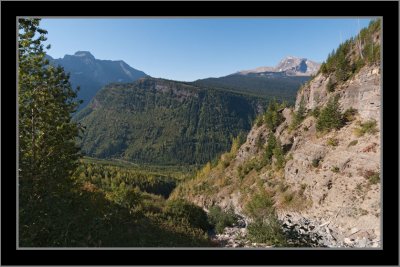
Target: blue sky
x,y
190,49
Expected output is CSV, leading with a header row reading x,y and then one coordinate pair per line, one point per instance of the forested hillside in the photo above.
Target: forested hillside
x,y
268,85
164,122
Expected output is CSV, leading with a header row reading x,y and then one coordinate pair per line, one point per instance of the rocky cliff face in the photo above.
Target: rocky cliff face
x,y
337,202
361,92
328,193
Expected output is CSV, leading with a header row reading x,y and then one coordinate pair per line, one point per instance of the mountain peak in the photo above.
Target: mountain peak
x,y
291,65
84,54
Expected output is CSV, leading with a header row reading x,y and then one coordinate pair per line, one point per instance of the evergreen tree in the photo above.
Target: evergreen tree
x,y
272,116
279,156
47,150
271,145
330,86
330,116
46,102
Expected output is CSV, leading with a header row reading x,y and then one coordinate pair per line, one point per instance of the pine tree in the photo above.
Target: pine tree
x,y
271,145
330,116
272,117
47,150
46,102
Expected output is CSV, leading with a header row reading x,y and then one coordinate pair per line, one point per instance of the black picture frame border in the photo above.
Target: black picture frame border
x,y
10,10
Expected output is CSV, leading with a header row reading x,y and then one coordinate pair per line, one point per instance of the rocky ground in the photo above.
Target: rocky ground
x,y
300,232
235,237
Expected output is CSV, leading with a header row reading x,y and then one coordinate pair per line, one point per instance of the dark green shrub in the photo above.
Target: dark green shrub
x,y
315,162
271,144
280,158
369,127
288,197
330,86
259,120
330,116
332,142
247,167
268,231
221,219
372,176
260,142
273,117
323,69
349,115
186,211
260,206
352,143
335,169
315,112
299,115
265,228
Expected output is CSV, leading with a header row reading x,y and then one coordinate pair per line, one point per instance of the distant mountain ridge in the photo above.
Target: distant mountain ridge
x,y
92,74
291,66
281,81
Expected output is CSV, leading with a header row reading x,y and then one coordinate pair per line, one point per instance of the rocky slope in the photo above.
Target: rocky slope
x,y
328,192
342,198
362,92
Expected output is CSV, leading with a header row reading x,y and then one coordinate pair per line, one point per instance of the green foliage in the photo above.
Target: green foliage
x,y
369,127
373,177
323,69
247,167
330,116
299,115
364,48
371,50
269,232
332,142
226,158
260,142
124,196
330,86
315,112
280,158
271,145
106,208
259,120
288,197
180,124
221,219
119,180
45,101
273,116
315,162
335,169
260,206
265,227
349,115
352,143
188,212
47,150
274,149
283,88
343,67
